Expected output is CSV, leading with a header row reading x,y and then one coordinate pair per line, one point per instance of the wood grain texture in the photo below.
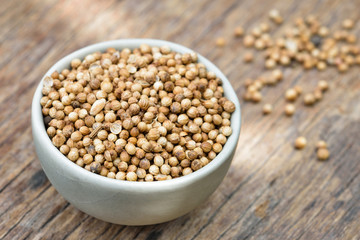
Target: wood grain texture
x,y
271,190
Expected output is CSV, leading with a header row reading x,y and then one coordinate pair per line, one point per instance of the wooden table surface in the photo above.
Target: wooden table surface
x,y
271,190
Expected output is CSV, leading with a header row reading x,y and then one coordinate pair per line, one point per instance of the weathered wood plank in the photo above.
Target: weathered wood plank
x,y
271,190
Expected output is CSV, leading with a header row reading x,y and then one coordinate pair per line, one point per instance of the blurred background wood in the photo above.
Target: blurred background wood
x,y
271,190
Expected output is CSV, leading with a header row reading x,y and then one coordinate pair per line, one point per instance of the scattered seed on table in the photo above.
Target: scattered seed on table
x,y
307,43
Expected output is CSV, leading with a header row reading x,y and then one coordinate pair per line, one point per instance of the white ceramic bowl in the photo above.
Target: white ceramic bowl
x,y
125,202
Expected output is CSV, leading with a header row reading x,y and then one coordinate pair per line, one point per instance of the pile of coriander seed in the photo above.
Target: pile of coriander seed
x,y
139,115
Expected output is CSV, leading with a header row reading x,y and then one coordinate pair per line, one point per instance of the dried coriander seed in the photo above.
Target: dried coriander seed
x,y
226,131
348,24
323,85
321,144
291,94
323,154
309,44
256,97
277,74
309,99
220,42
139,120
318,94
274,15
248,41
97,106
115,128
238,32
289,109
267,108
298,90
270,63
300,142
248,57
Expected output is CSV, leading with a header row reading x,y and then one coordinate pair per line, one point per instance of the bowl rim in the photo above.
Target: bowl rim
x,y
39,130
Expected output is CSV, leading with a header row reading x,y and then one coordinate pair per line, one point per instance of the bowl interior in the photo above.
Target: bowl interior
x,y
39,127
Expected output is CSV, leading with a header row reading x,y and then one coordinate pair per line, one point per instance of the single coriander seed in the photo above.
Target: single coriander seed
x,y
323,85
220,42
309,99
300,142
321,144
267,108
348,24
238,32
289,109
248,57
248,41
323,154
291,94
